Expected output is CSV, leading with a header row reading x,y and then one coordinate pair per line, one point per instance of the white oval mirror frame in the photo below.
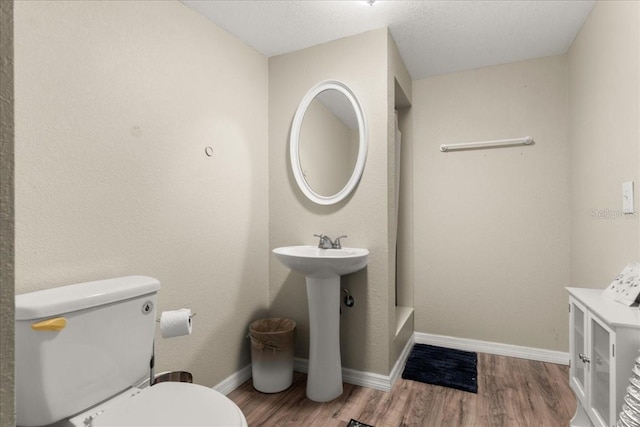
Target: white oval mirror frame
x,y
294,143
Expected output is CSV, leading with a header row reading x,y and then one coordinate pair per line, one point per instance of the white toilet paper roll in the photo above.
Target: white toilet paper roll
x,y
175,323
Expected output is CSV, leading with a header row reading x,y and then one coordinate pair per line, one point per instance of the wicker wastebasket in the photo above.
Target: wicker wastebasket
x,y
272,342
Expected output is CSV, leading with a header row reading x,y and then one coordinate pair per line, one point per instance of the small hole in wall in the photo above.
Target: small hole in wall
x,y
208,151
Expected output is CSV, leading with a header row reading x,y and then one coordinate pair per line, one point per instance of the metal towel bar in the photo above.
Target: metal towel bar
x,y
526,140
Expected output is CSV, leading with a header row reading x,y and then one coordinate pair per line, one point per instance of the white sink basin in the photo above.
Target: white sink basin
x,y
315,262
323,268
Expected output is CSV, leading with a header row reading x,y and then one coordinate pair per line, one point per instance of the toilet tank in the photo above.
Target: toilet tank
x,y
80,344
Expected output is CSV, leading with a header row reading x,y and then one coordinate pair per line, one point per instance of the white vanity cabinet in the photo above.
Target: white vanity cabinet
x,y
604,341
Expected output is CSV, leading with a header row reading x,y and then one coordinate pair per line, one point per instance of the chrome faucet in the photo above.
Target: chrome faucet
x,y
326,242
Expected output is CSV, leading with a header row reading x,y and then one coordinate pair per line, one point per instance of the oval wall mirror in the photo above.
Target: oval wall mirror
x,y
328,144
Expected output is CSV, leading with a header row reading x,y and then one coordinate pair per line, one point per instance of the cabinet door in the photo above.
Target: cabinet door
x,y
601,392
578,349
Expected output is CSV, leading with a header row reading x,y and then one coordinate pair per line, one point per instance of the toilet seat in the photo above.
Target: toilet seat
x,y
165,404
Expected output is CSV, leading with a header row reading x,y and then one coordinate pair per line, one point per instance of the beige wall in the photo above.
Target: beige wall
x,y
7,408
500,232
492,225
400,291
115,104
399,89
361,63
604,88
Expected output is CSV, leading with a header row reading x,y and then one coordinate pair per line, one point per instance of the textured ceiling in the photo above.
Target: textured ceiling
x,y
434,37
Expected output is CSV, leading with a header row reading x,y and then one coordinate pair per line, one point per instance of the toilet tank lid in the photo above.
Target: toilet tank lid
x,y
65,299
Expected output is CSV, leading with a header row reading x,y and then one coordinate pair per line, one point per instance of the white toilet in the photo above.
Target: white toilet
x,y
83,351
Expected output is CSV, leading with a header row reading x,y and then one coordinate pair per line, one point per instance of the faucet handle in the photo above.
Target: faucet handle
x,y
336,244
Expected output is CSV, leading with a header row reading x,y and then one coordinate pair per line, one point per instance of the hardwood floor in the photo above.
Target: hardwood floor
x,y
511,393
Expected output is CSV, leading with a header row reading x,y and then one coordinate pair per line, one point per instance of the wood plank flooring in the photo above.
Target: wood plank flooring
x,y
511,393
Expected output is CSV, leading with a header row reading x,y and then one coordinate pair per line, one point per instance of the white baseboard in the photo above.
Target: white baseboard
x,y
351,376
301,365
367,379
399,366
233,381
385,382
538,354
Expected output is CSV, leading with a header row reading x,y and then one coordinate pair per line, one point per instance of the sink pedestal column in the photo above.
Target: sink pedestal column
x,y
324,380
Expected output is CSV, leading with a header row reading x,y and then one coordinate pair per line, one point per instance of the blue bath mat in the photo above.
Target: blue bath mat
x,y
443,366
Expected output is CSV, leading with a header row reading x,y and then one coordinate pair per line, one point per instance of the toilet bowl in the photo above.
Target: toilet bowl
x,y
81,352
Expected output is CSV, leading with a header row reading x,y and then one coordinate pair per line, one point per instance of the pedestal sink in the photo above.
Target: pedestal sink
x,y
323,268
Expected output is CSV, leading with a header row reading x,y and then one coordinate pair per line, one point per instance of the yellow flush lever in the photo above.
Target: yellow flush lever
x,y
55,324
